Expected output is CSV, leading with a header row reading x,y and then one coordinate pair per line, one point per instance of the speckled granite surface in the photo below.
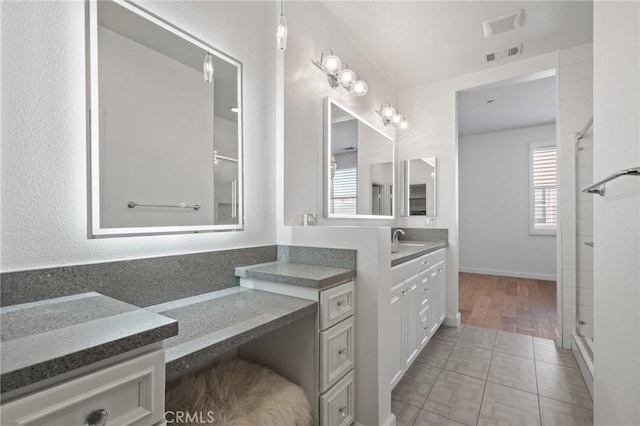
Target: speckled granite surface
x,y
321,256
409,252
43,339
213,323
299,274
141,282
423,234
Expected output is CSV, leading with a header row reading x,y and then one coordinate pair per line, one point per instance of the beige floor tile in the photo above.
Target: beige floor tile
x,y
558,413
427,418
514,344
563,384
449,333
502,405
477,336
416,384
436,352
422,373
469,360
456,397
405,413
513,371
546,351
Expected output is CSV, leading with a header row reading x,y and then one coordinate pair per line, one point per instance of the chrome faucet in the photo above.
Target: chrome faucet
x,y
394,238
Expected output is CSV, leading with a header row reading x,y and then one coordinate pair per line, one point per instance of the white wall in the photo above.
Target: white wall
x,y
312,30
44,189
616,59
575,108
494,206
431,108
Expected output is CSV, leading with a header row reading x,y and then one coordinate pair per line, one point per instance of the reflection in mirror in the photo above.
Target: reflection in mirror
x,y
359,166
419,187
165,108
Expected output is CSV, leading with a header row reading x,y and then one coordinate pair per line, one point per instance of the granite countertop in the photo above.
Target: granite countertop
x,y
44,339
300,274
409,250
213,323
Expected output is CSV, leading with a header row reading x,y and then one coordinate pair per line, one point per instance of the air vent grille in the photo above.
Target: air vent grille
x,y
505,53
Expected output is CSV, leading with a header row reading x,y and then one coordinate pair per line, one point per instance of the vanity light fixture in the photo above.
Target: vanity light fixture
x,y
282,32
339,74
390,116
207,67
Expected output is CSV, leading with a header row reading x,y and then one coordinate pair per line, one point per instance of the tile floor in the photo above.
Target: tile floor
x,y
479,376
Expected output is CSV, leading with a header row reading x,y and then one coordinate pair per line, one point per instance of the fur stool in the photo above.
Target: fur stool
x,y
237,393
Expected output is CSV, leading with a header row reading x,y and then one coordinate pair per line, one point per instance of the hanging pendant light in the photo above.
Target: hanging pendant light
x,y
281,34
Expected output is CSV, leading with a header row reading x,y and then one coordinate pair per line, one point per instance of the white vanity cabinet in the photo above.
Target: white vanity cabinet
x,y
418,308
125,394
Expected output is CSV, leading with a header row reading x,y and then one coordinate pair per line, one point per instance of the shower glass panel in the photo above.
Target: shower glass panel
x,y
584,243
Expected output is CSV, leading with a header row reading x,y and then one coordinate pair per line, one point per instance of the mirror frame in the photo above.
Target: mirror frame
x,y
328,102
404,196
95,230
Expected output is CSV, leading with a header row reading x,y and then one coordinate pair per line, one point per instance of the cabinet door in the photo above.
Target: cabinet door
x,y
443,292
439,288
412,343
397,334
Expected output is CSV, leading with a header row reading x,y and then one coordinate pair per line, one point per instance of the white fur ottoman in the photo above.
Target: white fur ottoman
x,y
237,393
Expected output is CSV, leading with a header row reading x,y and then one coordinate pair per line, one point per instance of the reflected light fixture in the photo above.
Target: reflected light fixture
x,y
282,32
233,109
339,74
390,116
207,67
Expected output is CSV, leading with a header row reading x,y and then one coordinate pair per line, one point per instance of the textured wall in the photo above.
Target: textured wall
x,y
44,184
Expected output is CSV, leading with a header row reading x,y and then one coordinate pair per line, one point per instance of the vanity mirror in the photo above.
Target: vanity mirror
x,y
359,166
165,114
418,186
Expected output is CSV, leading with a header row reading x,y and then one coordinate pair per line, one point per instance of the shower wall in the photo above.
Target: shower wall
x,y
584,236
575,108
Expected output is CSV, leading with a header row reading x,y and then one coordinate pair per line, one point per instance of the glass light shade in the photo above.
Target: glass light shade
x,y
281,34
331,64
346,77
403,124
388,112
359,88
396,119
207,67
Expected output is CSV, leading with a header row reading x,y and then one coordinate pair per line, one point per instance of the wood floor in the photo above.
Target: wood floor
x,y
511,304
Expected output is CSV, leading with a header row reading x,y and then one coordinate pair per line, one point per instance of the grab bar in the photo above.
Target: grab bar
x,y
132,204
599,188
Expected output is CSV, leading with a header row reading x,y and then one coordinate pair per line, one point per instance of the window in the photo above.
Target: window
x,y
543,190
344,191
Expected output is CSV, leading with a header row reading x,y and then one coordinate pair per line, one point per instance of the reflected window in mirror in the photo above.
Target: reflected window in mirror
x,y
419,187
359,167
166,127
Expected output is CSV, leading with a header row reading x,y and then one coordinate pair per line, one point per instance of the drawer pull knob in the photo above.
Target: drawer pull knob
x,y
97,418
344,411
342,302
342,351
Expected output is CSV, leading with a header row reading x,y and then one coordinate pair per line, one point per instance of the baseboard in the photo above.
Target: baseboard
x,y
514,274
453,321
584,363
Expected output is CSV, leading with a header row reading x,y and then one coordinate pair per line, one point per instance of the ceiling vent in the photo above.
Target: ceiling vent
x,y
503,23
505,53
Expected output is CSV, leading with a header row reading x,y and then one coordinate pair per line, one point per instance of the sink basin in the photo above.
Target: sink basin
x,y
412,244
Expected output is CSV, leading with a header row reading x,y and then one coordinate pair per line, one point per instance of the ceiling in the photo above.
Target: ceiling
x,y
415,42
531,103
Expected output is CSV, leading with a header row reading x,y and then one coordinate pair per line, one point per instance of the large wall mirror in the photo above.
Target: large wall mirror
x,y
359,166
418,186
165,113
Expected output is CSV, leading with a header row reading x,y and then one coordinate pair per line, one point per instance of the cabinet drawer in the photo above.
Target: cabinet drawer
x,y
337,404
336,349
130,393
336,304
425,326
424,289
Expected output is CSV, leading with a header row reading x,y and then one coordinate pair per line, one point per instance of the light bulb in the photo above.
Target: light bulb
x,y
388,112
281,34
346,77
331,64
359,88
403,124
396,119
207,67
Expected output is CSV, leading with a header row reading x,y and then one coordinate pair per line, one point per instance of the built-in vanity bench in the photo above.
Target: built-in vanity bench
x,y
329,380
